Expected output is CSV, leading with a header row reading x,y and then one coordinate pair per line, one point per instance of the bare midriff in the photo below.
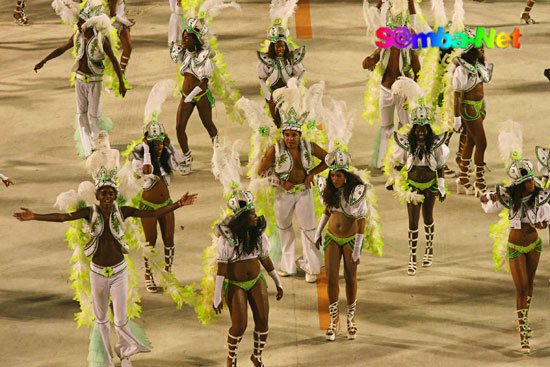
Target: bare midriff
x,y
392,70
158,194
524,236
341,225
421,174
189,83
241,271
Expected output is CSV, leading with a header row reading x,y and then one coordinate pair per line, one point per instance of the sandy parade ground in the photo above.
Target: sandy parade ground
x,y
459,312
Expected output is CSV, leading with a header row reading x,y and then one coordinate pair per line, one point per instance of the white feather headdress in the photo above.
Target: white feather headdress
x,y
283,10
337,124
157,96
67,10
226,167
510,140
211,8
408,88
458,17
103,156
438,8
373,20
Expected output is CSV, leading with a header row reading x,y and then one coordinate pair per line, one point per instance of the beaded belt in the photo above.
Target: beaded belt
x,y
86,78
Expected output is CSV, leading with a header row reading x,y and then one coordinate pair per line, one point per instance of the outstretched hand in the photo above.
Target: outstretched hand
x,y
218,309
39,66
279,293
8,182
122,89
25,215
187,199
541,225
318,243
369,63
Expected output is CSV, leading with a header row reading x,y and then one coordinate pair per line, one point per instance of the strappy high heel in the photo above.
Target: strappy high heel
x,y
523,330
150,285
259,346
334,321
352,326
185,166
232,346
411,269
20,9
463,185
529,330
428,255
168,258
480,181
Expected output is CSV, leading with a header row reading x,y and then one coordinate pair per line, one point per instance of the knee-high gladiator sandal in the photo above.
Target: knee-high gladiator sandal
x,y
124,63
150,285
260,338
232,345
527,11
523,330
168,258
411,269
480,186
352,326
429,231
333,326
20,10
463,185
529,331
186,164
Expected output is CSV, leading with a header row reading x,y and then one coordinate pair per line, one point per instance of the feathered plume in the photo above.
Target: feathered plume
x,y
212,8
399,7
409,89
313,100
458,17
290,96
103,155
226,167
67,10
510,140
282,9
438,8
157,96
337,124
373,19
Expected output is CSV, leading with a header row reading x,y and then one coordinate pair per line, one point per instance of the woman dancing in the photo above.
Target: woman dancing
x,y
528,211
343,195
242,247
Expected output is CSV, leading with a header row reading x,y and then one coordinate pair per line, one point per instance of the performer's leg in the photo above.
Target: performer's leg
x,y
167,227
150,230
532,262
525,15
126,40
205,113
414,216
350,275
305,213
94,108
19,13
100,305
518,267
82,92
236,300
463,184
283,206
333,254
386,124
477,132
259,303
127,343
429,227
184,113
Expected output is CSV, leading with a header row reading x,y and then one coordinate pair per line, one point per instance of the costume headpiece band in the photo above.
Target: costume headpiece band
x,y
154,130
521,170
103,178
338,161
234,202
291,120
422,115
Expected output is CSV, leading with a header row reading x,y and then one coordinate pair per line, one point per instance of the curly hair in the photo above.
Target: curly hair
x,y
247,237
330,194
413,142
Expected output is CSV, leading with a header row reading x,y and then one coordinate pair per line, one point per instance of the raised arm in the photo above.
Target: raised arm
x,y
26,215
185,200
55,53
109,51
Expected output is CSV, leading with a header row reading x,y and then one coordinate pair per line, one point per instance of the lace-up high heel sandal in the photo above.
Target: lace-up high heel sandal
x,y
333,326
123,63
150,285
529,331
527,19
523,330
185,166
411,269
428,255
232,345
259,345
463,185
480,186
168,258
352,326
19,13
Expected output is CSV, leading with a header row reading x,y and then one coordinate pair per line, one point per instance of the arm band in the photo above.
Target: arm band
x,y
218,291
413,21
123,20
3,178
357,246
441,186
457,123
146,154
273,274
193,94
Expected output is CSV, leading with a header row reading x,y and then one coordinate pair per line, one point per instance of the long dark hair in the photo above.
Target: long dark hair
x,y
198,45
471,56
516,192
164,157
413,142
247,237
272,55
330,195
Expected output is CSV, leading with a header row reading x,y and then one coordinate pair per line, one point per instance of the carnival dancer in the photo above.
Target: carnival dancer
x,y
90,42
394,62
290,163
280,59
527,208
416,174
197,68
19,13
471,73
108,273
526,13
6,180
117,9
174,25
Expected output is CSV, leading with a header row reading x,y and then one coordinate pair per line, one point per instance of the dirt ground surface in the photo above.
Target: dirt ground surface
x,y
459,312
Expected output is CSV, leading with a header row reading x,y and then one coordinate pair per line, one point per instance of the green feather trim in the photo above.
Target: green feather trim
x,y
139,333
499,236
97,355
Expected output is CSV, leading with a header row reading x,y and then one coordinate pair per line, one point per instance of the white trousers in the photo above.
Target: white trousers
x,y
388,104
115,286
88,102
302,203
174,27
